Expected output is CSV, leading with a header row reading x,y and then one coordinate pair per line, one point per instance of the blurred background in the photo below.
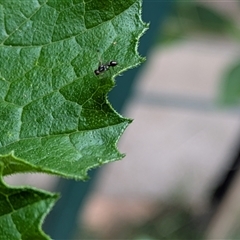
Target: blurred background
x,y
180,178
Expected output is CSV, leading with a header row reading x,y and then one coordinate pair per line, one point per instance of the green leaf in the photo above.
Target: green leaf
x,y
230,87
54,115
22,211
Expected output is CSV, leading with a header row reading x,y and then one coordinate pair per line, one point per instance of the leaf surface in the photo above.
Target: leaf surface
x,y
54,115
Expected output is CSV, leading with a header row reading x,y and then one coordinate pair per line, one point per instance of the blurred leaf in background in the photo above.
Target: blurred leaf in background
x,y
170,222
192,17
230,88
